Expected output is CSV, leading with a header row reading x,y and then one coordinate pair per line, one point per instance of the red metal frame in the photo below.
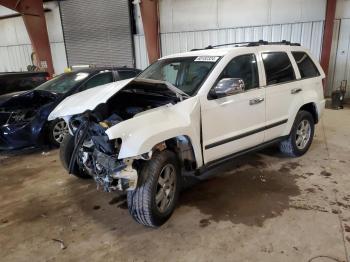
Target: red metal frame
x,y
32,12
328,35
150,20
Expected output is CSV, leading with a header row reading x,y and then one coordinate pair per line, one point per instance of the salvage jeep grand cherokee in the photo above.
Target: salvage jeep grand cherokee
x,y
188,112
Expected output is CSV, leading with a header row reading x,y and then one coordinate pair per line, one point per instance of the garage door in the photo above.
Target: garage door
x,y
97,32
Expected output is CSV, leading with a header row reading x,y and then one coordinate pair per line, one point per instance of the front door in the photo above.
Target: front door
x,y
236,122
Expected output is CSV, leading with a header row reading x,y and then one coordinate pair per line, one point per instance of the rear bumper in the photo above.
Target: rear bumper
x,y
321,107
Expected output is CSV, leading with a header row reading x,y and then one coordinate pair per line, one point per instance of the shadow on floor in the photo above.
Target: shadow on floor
x,y
242,191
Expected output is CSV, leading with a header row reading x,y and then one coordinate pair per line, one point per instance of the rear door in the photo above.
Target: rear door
x,y
282,89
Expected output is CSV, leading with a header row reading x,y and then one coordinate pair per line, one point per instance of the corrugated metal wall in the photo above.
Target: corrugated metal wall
x,y
97,32
308,34
15,46
15,57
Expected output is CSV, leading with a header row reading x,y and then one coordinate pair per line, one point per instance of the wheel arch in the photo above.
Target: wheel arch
x,y
183,148
312,109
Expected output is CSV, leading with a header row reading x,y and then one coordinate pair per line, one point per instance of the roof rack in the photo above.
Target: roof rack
x,y
256,43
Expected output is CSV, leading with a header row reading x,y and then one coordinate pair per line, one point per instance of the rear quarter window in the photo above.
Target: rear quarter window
x,y
306,66
126,74
278,68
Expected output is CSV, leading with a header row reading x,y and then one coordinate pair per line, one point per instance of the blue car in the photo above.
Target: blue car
x,y
23,115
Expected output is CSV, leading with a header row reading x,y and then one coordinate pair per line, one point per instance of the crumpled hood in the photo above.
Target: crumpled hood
x,y
6,97
87,100
91,98
27,99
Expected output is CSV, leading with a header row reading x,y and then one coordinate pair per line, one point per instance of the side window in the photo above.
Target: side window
x,y
244,67
97,80
306,67
278,68
126,74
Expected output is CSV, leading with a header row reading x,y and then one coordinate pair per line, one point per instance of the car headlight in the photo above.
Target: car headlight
x,y
21,116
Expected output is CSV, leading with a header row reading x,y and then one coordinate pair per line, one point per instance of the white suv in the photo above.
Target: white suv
x,y
188,112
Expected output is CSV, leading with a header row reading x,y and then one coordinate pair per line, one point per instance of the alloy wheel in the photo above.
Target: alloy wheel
x,y
59,131
166,187
303,134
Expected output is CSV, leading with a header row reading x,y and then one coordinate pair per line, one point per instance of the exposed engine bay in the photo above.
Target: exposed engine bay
x,y
94,153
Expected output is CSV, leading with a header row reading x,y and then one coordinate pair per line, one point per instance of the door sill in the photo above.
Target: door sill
x,y
212,164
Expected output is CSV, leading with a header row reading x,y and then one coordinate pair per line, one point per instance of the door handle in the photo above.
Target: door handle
x,y
256,101
296,90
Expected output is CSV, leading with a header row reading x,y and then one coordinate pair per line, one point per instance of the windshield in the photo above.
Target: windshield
x,y
63,83
186,73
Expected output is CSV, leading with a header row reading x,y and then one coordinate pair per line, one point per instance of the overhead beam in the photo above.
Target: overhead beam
x,y
328,35
150,21
32,12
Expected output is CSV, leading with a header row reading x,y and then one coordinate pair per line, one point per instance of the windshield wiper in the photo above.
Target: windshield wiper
x,y
181,94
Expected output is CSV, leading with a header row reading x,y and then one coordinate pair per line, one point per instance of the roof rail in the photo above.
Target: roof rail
x,y
256,43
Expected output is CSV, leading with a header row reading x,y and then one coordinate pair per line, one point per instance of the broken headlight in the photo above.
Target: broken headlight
x,y
21,116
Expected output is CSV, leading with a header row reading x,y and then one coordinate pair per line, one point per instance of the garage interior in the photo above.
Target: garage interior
x,y
259,207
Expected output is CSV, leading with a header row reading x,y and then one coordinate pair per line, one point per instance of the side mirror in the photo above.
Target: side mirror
x,y
227,87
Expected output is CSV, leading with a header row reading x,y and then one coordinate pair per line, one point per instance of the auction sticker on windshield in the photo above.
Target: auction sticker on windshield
x,y
206,59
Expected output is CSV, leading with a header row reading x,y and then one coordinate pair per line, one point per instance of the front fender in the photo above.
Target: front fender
x,y
142,132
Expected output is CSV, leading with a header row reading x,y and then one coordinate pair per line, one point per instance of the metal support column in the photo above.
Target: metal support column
x,y
32,12
150,20
328,34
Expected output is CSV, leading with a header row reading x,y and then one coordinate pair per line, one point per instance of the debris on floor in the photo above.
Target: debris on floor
x,y
63,246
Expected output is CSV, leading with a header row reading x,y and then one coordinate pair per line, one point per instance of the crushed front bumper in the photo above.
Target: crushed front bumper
x,y
17,136
118,175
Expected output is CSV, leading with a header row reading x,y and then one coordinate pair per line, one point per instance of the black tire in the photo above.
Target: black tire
x,y
51,137
289,145
66,150
142,201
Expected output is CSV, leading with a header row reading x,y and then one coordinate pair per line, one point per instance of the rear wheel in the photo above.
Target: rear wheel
x,y
301,136
155,198
66,151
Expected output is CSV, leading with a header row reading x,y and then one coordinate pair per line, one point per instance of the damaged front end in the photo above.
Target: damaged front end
x,y
22,119
95,154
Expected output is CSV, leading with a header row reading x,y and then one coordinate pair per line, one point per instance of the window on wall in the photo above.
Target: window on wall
x,y
278,68
244,67
306,67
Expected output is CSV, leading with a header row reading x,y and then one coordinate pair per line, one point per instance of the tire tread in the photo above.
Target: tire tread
x,y
140,199
287,146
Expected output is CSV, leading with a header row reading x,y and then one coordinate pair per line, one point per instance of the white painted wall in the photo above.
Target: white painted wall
x,y
343,9
6,11
15,46
339,66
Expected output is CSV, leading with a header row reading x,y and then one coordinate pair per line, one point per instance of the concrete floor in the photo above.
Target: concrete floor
x,y
262,207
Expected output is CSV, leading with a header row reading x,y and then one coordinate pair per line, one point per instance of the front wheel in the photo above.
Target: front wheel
x,y
58,129
301,135
155,198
